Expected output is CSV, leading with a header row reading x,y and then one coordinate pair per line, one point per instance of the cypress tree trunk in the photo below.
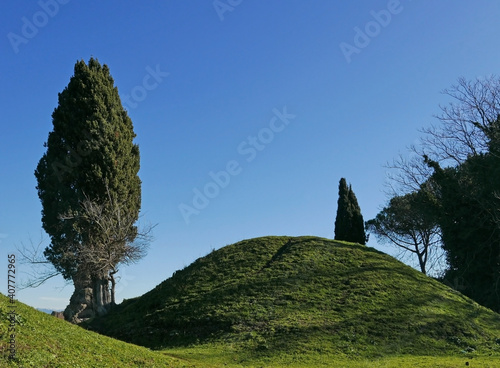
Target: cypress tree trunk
x,y
80,305
113,285
101,294
92,297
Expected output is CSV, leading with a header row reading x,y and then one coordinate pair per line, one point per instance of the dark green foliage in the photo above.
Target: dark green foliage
x,y
301,296
358,225
349,224
342,221
469,217
90,156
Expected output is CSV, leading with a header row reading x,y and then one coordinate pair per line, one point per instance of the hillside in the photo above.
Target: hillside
x,y
45,341
303,298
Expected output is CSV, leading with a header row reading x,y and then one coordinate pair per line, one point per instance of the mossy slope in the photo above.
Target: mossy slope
x,y
304,296
45,341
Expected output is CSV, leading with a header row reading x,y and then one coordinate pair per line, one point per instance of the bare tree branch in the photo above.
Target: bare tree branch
x,y
114,241
407,173
462,132
41,269
464,123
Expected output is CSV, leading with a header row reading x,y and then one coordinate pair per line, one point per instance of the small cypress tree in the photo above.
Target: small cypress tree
x,y
349,224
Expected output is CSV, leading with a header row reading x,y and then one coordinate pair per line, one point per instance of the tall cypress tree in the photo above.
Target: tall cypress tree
x,y
342,227
349,224
90,158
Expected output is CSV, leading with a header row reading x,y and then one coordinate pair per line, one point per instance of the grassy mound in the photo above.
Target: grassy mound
x,y
303,299
45,341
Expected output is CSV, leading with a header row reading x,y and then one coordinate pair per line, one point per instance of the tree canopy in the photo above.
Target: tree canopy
x,y
409,223
90,163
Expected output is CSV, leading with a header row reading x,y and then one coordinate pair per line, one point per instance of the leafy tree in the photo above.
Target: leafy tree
x,y
349,224
408,222
90,164
469,217
460,155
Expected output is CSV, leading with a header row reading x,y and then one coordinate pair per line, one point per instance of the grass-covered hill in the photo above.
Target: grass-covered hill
x,y
44,341
304,299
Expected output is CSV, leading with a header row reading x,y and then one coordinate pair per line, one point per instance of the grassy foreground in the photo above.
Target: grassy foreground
x,y
219,356
45,341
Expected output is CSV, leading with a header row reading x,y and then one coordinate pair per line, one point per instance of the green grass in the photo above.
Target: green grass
x,y
219,356
307,301
45,341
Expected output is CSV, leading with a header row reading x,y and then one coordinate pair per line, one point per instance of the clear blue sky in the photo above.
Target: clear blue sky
x,y
358,101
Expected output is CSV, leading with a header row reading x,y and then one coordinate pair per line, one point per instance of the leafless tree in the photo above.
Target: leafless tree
x,y
461,132
115,242
407,173
40,270
112,245
464,122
